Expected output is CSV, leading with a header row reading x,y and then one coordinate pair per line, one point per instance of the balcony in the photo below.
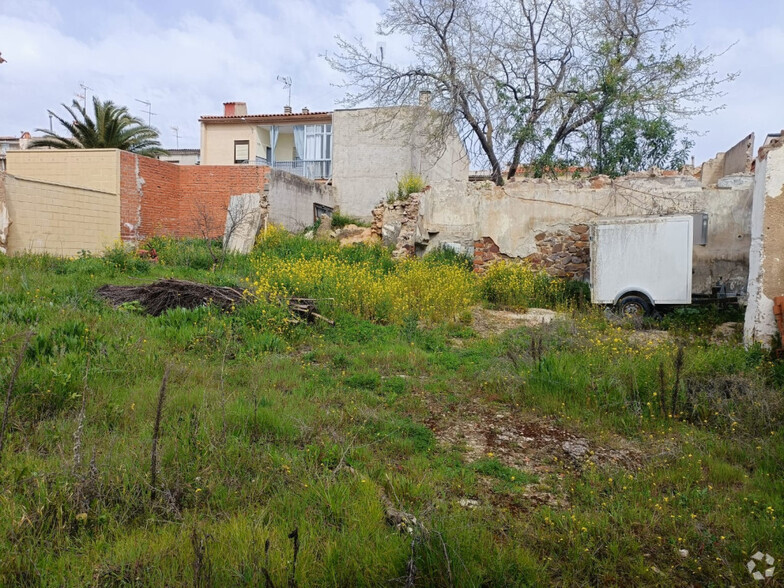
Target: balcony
x,y
313,170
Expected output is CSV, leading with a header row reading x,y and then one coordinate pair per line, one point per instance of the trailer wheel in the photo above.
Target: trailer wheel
x,y
633,305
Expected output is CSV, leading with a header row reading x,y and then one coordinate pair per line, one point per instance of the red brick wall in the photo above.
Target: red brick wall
x,y
205,191
161,198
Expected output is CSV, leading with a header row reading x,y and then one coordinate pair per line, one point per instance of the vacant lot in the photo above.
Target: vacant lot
x,y
425,439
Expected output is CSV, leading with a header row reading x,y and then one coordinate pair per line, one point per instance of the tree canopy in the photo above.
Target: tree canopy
x,y
535,80
109,126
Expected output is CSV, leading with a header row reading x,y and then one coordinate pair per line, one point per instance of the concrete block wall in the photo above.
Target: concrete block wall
x,y
92,169
62,220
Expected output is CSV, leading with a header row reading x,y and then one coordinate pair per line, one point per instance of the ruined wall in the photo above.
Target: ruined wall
x,y
542,220
395,224
373,147
736,160
291,199
766,271
161,198
62,220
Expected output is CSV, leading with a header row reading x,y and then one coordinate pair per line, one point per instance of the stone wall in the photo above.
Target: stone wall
x,y
562,253
395,224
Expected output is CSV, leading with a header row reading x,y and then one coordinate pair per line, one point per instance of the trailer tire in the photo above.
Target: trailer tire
x,y
634,305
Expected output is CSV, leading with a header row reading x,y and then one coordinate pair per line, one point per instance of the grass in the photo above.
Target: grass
x,y
267,427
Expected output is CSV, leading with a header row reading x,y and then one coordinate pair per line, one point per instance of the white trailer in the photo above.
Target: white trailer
x,y
638,263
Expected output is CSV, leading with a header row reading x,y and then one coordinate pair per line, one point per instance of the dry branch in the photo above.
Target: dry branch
x,y
160,296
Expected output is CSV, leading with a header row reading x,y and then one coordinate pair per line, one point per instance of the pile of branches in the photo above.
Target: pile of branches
x,y
160,296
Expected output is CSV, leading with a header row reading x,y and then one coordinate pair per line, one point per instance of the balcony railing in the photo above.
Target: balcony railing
x,y
307,169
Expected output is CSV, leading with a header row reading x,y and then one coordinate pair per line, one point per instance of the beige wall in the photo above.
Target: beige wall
x,y
217,142
373,147
58,219
514,214
92,169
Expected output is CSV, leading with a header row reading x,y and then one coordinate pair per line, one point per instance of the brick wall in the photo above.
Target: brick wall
x,y
564,254
161,198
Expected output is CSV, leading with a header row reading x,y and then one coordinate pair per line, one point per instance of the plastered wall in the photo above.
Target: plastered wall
x,y
522,215
766,271
291,199
373,147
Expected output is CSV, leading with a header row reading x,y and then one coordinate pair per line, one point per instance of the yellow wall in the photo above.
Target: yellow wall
x,y
217,143
93,169
59,219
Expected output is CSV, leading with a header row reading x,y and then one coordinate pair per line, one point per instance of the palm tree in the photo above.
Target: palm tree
x,y
111,126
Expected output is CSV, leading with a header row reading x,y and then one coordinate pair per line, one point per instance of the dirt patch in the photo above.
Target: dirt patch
x,y
494,322
652,337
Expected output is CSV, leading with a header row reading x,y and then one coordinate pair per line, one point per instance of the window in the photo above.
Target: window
x,y
318,150
241,151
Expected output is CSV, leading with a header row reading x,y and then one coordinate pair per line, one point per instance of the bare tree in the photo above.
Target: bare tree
x,y
532,77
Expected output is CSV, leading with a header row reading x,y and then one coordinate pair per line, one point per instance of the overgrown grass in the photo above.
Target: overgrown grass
x,y
267,427
518,286
409,183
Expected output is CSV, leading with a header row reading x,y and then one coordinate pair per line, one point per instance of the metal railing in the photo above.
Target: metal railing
x,y
313,170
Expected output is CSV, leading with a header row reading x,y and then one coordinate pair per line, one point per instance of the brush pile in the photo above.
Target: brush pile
x,y
160,296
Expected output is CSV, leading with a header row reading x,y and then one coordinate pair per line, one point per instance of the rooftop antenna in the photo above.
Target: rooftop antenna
x,y
286,81
83,94
149,111
176,135
381,50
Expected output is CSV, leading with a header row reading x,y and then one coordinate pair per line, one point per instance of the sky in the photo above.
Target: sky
x,y
188,57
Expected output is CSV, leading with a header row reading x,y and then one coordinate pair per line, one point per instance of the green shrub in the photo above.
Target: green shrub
x,y
448,256
409,183
342,220
518,286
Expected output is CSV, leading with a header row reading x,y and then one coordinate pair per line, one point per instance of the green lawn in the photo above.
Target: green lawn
x,y
541,456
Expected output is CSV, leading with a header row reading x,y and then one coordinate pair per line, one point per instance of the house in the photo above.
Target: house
x,y
361,152
181,156
23,141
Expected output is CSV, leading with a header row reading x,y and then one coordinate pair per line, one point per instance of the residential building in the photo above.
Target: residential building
x,y
181,156
361,152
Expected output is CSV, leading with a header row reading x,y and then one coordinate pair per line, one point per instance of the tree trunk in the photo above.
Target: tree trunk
x,y
518,148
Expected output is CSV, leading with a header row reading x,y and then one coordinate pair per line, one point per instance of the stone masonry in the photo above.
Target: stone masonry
x,y
564,254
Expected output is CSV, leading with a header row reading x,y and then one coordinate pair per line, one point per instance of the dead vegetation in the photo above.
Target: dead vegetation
x,y
163,295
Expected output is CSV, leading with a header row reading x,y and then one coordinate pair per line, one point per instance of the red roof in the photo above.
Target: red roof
x,y
271,118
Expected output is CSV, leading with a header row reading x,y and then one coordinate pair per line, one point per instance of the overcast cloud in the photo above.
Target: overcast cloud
x,y
187,58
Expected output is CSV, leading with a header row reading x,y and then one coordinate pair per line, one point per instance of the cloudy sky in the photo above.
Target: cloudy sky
x,y
188,57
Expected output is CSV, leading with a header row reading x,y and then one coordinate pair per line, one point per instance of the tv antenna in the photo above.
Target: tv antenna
x,y
286,81
176,135
149,111
381,50
83,94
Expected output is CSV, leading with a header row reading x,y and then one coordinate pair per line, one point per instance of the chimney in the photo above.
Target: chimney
x,y
287,110
424,97
235,109
305,110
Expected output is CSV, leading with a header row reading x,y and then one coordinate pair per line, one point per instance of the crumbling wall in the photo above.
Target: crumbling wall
x,y
396,223
737,160
766,271
291,199
540,220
